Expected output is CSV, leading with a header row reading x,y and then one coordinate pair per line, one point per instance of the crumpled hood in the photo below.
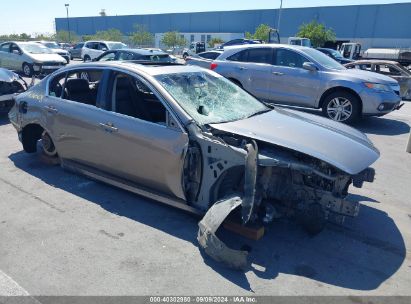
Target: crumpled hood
x,y
8,76
367,76
47,57
334,143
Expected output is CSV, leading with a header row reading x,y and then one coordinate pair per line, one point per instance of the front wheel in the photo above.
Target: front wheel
x,y
342,107
27,70
87,58
47,145
185,55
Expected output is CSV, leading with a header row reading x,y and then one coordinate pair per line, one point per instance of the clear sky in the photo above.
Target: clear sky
x,y
37,16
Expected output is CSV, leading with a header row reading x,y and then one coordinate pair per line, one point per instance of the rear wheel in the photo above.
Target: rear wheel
x,y
342,106
27,69
185,55
87,58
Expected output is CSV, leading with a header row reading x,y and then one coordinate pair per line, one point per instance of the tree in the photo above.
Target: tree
x,y
141,36
63,36
214,41
109,35
318,33
261,33
173,39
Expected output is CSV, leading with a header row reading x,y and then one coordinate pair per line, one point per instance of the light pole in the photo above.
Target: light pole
x,y
68,20
279,16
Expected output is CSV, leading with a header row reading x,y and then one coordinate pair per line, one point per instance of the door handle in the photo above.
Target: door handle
x,y
278,73
108,127
51,109
242,68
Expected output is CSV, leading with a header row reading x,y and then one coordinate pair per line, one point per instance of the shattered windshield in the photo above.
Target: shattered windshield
x,y
210,99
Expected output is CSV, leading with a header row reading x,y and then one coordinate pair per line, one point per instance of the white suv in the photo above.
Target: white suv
x,y
93,49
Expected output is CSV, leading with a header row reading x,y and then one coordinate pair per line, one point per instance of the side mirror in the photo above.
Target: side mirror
x,y
309,66
17,52
104,49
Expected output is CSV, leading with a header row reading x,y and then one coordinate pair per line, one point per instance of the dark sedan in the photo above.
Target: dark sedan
x,y
135,54
334,55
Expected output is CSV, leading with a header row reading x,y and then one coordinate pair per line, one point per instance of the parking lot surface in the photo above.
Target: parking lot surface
x,y
64,234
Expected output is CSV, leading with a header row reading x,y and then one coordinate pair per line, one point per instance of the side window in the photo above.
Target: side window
x,y
14,48
289,58
5,48
79,46
80,86
132,97
108,57
102,47
127,56
240,56
260,55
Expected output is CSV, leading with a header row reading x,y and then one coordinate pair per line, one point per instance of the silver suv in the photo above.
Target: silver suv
x,y
305,77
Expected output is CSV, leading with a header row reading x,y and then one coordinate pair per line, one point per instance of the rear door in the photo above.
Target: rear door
x,y
73,116
252,68
292,84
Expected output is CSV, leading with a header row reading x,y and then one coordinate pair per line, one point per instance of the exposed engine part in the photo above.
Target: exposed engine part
x,y
236,259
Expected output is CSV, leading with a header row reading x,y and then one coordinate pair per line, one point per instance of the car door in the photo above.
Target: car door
x,y
73,116
290,82
5,55
252,68
16,57
143,140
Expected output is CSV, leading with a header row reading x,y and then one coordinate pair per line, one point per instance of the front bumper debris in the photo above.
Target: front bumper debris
x,y
216,249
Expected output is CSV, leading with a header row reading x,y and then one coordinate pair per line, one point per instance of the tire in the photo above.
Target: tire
x,y
87,58
27,69
313,219
185,55
342,106
47,145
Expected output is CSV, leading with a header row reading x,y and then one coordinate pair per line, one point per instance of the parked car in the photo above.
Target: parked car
x,y
305,77
29,58
75,52
65,46
11,84
336,55
194,48
203,59
93,49
135,54
241,41
389,68
57,49
187,137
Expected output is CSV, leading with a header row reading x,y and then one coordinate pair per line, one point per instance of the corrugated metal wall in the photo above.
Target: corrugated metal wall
x,y
357,21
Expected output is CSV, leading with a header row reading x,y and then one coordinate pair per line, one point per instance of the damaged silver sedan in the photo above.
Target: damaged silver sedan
x,y
189,138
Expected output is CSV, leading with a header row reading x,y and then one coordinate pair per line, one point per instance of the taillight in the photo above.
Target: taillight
x,y
213,66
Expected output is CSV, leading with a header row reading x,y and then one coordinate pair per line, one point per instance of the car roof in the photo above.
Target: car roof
x,y
374,61
143,51
150,68
269,45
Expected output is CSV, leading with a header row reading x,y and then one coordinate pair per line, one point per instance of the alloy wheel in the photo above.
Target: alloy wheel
x,y
339,109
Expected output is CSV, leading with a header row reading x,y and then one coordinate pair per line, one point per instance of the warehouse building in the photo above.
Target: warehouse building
x,y
382,25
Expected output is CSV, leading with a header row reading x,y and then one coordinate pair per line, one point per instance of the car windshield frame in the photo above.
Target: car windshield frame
x,y
323,60
35,48
209,98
